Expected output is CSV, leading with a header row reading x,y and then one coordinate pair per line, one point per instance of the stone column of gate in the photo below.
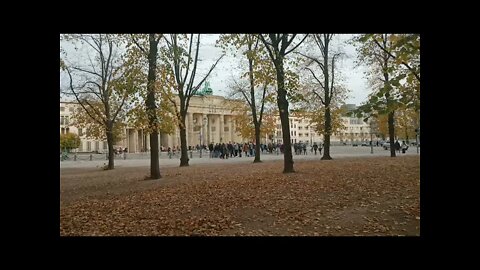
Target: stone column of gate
x,y
232,134
222,124
208,136
228,137
148,141
190,137
134,139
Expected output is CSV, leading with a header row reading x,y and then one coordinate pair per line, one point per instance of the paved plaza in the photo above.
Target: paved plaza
x,y
143,159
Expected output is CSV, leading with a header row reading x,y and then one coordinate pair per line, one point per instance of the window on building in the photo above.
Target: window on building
x,y
67,130
97,145
80,131
306,134
300,134
62,120
62,131
89,146
105,145
70,109
62,109
225,129
295,132
66,120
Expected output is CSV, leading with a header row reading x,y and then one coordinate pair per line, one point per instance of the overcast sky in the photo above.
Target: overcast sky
x,y
219,79
227,67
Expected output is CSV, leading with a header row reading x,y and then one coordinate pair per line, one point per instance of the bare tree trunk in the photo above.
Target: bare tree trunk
x,y
254,111
183,145
154,157
257,143
151,109
391,133
328,129
110,142
283,109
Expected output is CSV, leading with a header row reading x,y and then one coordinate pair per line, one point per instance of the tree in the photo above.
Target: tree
x,y
260,75
93,130
103,84
277,48
148,47
317,120
324,89
69,141
404,49
386,97
246,127
179,61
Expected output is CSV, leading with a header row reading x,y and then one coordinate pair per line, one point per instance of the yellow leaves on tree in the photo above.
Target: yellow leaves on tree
x,y
245,126
94,130
69,141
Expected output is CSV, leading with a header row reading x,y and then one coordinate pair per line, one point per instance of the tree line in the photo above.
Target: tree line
x,y
136,78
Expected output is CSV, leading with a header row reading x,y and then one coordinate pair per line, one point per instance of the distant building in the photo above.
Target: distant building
x,y
209,120
301,131
86,144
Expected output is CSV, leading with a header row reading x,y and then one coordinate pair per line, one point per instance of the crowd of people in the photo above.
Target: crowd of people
x,y
247,149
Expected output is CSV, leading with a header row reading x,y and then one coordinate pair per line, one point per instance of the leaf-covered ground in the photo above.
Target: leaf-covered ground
x,y
343,197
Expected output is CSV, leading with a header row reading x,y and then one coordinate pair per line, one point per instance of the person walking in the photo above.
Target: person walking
x,y
315,148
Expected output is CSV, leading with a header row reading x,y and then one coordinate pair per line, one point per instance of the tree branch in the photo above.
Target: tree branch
x,y
320,64
267,46
78,100
189,58
297,45
311,71
138,45
263,103
393,56
87,71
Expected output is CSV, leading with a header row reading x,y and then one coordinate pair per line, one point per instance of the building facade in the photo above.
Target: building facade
x,y
356,130
209,120
86,144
